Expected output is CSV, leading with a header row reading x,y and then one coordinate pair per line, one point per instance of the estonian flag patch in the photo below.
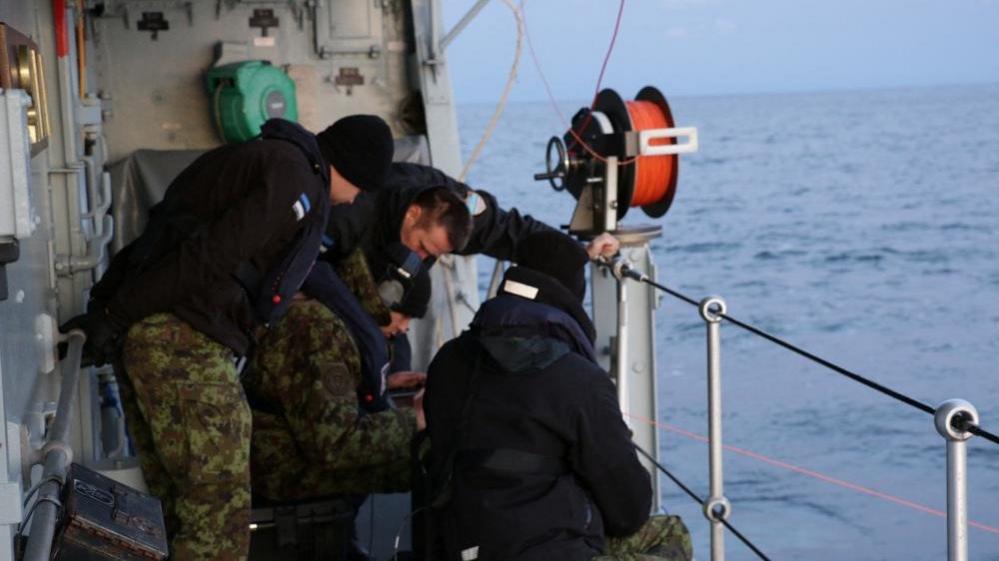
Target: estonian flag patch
x,y
301,207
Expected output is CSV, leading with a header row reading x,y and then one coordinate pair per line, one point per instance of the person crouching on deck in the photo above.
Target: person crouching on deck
x,y
530,458
311,436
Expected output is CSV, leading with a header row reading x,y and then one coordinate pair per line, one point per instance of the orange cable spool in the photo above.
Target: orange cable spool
x,y
651,172
645,181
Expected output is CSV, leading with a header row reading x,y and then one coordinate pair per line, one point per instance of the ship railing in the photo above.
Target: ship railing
x,y
956,420
55,455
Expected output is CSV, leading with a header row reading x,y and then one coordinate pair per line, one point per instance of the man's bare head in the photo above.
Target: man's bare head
x,y
436,222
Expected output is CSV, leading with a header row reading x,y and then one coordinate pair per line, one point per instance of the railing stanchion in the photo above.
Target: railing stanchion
x,y
623,391
716,508
952,419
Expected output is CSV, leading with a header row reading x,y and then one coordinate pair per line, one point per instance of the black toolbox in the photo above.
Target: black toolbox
x,y
103,520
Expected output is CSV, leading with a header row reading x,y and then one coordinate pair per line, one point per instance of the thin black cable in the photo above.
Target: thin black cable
x,y
698,500
973,429
31,512
835,367
673,478
977,430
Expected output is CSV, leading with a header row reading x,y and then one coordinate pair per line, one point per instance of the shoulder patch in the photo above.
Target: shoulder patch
x,y
301,207
476,204
337,380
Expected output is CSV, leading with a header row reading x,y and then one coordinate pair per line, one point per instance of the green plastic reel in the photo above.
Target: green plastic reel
x,y
246,94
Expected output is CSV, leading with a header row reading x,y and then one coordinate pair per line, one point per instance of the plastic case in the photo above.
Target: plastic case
x,y
105,520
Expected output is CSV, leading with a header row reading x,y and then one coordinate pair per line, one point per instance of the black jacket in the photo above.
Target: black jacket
x,y
373,221
518,383
243,208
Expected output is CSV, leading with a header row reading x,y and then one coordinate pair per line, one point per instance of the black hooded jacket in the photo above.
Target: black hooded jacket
x,y
530,458
373,221
237,208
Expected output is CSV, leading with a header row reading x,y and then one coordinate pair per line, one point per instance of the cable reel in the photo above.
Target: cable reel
x,y
246,94
618,155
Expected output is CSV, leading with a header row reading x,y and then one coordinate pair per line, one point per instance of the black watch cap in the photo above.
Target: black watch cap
x,y
557,255
360,148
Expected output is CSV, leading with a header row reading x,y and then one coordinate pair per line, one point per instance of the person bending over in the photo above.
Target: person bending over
x,y
220,258
389,216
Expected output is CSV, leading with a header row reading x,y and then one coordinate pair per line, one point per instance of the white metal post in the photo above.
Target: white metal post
x,y
952,419
716,507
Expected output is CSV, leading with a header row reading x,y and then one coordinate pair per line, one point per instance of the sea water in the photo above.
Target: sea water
x,y
862,226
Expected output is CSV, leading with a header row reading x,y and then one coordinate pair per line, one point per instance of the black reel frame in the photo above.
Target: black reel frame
x,y
607,132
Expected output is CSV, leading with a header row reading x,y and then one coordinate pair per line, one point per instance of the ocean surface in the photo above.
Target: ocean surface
x,y
863,226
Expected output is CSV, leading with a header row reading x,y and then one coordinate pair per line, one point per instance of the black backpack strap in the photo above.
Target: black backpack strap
x,y
511,460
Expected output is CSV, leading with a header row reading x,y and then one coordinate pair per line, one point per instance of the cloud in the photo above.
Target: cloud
x,y
677,33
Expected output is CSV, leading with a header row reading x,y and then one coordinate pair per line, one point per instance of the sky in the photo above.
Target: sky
x,y
712,47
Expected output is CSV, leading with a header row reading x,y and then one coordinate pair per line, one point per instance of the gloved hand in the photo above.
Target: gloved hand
x,y
104,335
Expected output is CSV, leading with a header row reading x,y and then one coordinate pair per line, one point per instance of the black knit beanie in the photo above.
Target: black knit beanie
x,y
557,255
360,148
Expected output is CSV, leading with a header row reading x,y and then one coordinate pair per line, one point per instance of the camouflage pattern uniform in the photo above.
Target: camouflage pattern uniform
x,y
309,438
190,423
661,538
357,276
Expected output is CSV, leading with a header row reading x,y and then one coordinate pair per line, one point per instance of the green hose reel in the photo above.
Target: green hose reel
x,y
246,94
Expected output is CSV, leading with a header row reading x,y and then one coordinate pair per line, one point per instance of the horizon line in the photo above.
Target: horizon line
x,y
844,89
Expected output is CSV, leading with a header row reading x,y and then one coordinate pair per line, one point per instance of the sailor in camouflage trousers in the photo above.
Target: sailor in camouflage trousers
x,y
308,439
308,436
662,538
181,392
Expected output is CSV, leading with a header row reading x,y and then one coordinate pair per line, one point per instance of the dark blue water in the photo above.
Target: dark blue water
x,y
863,226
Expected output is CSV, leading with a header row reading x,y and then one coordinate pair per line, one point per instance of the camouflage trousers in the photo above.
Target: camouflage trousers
x,y
309,437
190,423
662,538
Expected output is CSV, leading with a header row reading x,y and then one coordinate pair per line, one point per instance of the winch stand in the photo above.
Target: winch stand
x,y
623,312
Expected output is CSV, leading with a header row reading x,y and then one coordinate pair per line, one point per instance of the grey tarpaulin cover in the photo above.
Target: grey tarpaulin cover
x,y
139,181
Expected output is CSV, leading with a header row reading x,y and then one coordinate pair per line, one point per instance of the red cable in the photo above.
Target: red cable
x,y
816,475
653,174
610,49
600,77
551,96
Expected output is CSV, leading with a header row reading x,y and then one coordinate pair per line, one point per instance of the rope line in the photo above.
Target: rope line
x,y
504,97
700,501
974,429
814,474
551,96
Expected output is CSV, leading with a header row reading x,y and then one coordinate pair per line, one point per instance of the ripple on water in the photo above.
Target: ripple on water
x,y
854,257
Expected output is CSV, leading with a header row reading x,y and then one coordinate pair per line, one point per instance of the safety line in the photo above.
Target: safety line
x,y
972,428
700,501
600,78
610,49
551,96
814,474
504,97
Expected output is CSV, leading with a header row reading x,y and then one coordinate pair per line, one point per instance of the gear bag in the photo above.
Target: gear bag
x,y
270,292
